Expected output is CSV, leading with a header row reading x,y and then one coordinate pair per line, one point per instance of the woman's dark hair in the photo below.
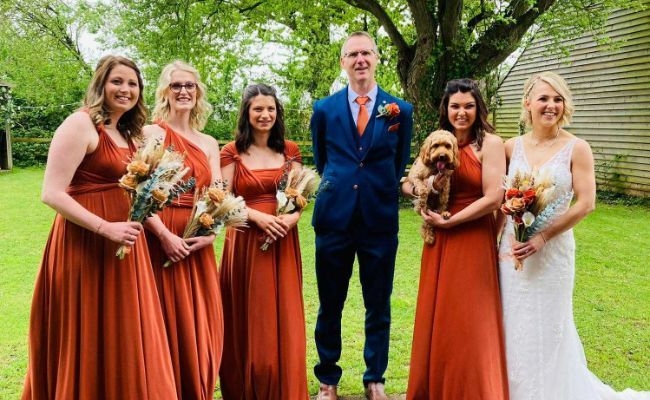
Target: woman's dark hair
x,y
244,134
131,123
481,124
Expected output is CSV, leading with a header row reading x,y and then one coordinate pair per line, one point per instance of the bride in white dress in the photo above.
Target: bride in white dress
x,y
545,357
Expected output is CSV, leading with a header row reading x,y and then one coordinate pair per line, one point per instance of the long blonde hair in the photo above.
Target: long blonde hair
x,y
202,109
131,123
559,85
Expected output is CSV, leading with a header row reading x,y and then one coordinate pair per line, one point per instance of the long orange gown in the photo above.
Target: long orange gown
x,y
458,348
96,330
189,289
264,343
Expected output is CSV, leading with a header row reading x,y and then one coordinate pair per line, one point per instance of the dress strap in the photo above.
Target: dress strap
x,y
564,155
518,152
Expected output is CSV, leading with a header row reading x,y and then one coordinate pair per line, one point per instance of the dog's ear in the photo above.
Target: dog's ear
x,y
425,149
413,171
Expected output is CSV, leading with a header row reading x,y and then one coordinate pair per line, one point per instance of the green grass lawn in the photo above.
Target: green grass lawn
x,y
612,297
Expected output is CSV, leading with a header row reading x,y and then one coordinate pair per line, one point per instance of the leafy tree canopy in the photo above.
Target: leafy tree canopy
x,y
291,44
423,43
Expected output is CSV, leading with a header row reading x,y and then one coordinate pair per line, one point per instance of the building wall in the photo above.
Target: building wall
x,y
611,91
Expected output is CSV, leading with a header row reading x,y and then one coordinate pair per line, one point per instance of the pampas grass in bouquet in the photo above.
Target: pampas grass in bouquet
x,y
214,208
154,178
296,188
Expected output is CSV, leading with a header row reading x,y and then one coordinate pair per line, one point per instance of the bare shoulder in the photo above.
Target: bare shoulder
x,y
77,125
209,140
493,141
581,149
510,144
78,120
153,130
511,141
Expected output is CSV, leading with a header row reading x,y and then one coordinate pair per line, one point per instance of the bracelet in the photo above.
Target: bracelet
x,y
413,191
99,226
543,238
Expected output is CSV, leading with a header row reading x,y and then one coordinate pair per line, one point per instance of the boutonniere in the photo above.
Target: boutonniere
x,y
389,111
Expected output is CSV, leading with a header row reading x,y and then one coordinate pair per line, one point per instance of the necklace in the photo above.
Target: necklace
x,y
546,143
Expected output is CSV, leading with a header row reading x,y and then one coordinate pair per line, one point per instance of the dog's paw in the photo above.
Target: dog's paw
x,y
445,214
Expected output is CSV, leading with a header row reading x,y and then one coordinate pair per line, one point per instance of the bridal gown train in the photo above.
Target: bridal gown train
x,y
545,357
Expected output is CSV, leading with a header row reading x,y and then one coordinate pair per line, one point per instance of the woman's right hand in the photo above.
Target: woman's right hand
x,y
175,247
272,225
124,233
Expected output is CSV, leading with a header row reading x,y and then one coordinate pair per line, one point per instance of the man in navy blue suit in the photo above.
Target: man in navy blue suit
x,y
361,137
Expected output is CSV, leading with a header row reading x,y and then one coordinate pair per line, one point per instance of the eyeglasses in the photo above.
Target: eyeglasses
x,y
354,54
176,87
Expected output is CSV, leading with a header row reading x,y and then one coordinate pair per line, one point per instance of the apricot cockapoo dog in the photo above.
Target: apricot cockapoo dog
x,y
438,155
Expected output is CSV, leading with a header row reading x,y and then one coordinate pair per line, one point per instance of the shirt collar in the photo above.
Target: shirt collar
x,y
372,94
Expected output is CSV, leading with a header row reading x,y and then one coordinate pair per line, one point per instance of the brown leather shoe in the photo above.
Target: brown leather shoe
x,y
375,391
327,392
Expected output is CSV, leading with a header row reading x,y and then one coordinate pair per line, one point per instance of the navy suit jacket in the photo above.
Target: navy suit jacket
x,y
368,180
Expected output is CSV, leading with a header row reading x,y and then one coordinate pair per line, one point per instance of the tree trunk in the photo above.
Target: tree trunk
x,y
416,75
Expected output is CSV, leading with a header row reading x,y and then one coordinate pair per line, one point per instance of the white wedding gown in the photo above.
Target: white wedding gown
x,y
545,358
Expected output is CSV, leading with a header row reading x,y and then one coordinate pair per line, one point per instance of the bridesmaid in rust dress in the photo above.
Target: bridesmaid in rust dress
x,y
96,330
458,344
265,347
189,287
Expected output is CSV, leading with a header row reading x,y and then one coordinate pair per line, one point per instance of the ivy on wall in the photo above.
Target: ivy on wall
x,y
6,104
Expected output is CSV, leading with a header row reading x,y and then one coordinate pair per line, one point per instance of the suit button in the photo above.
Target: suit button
x,y
360,165
355,186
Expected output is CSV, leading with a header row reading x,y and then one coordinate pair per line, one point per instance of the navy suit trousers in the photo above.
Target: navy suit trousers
x,y
335,252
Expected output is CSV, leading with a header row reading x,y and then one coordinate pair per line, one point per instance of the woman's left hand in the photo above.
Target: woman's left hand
x,y
199,242
522,251
290,219
434,219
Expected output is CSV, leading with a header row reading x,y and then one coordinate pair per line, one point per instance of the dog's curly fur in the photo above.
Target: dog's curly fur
x,y
438,154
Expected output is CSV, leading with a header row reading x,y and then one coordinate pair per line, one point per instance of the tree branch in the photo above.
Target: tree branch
x,y
517,8
384,19
424,20
475,20
449,15
502,38
51,24
251,7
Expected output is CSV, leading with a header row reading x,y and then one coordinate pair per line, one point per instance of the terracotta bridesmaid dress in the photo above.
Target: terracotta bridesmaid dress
x,y
458,344
265,346
189,289
96,328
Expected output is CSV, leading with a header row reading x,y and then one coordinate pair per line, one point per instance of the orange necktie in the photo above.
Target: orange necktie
x,y
362,119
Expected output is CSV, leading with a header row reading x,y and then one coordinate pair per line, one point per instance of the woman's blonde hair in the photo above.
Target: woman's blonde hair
x,y
202,109
131,123
558,84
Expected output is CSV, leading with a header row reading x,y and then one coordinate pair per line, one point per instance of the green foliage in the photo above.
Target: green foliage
x,y
291,44
6,104
35,122
39,53
40,58
583,16
622,199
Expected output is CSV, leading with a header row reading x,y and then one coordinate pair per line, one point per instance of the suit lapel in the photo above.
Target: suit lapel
x,y
343,117
379,123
